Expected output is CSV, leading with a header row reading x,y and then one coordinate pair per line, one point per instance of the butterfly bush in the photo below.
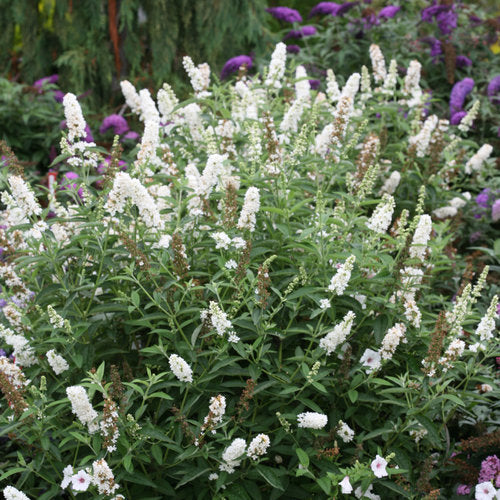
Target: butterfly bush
x,y
245,308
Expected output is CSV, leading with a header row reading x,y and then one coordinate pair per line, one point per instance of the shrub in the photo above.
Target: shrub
x,y
259,306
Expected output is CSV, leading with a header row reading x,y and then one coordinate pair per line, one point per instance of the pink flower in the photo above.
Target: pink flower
x,y
346,485
378,466
81,481
485,491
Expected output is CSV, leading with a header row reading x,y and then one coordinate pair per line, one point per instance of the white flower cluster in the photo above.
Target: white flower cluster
x,y
451,210
418,434
332,87
11,493
378,63
476,162
232,455
217,409
57,362
55,319
345,432
454,351
150,138
218,318
222,240
391,78
251,206
486,326
338,335
131,96
22,197
422,139
391,340
391,183
82,407
351,87
103,478
124,188
421,237
74,117
22,351
13,373
199,76
276,67
412,83
312,420
382,215
167,101
258,446
467,121
180,368
340,280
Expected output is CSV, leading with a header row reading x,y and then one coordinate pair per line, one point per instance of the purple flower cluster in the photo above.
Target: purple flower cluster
x,y
389,12
71,176
285,14
463,61
331,8
463,489
117,122
300,33
435,45
293,49
458,94
46,79
490,470
494,89
488,202
444,15
232,65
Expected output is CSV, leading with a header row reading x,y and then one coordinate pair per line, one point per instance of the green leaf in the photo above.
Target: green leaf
x,y
15,470
160,395
303,457
325,484
192,475
157,454
134,297
353,395
270,476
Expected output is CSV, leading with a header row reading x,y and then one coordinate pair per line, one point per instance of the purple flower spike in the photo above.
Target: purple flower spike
x,y
493,89
457,117
302,32
3,303
132,136
463,489
285,14
495,214
458,94
324,9
58,95
314,84
46,79
232,65
447,21
293,49
89,137
490,467
389,12
3,354
116,122
345,7
463,61
483,197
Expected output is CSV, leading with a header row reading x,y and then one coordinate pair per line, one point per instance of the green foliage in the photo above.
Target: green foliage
x,y
223,245
29,121
75,39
